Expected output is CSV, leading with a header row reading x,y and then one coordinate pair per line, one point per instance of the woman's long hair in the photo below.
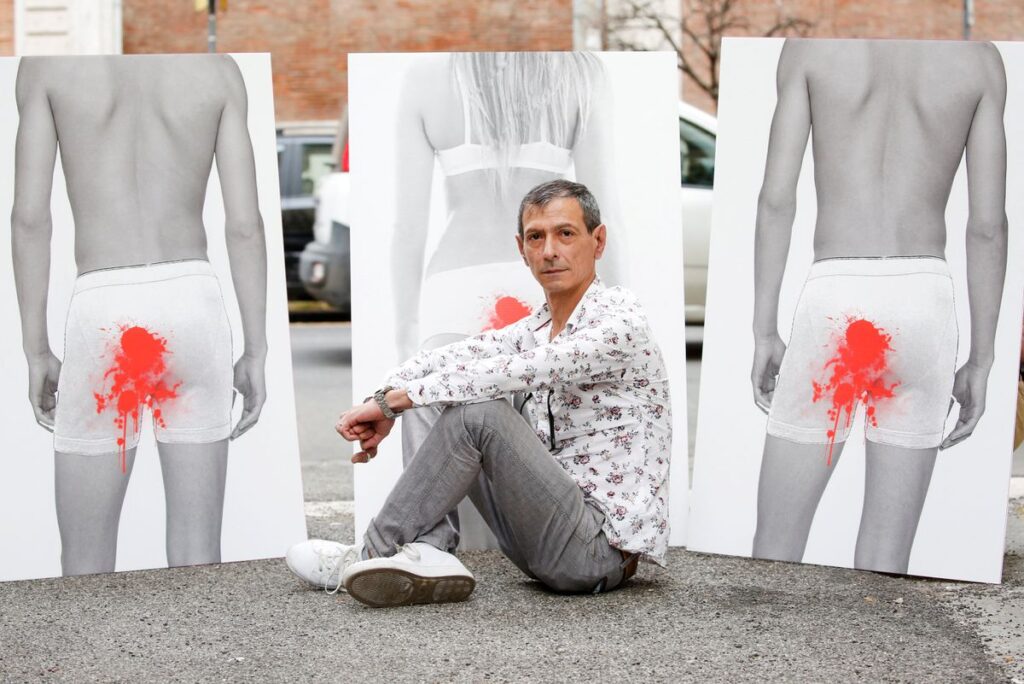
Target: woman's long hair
x,y
525,97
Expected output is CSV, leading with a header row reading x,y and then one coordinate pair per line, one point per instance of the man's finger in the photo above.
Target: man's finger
x,y
358,432
963,429
44,418
761,400
349,430
364,456
248,419
954,438
350,420
372,441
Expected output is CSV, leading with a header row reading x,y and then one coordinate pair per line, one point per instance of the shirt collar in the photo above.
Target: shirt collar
x,y
542,316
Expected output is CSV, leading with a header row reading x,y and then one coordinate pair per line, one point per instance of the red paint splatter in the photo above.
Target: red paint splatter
x,y
857,374
137,378
507,310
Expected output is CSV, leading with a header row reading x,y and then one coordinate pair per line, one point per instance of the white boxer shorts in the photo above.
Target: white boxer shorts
x,y
877,331
151,337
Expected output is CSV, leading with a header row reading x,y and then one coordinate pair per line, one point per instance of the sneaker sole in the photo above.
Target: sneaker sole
x,y
386,587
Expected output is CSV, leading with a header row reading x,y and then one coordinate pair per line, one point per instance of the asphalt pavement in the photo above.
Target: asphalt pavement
x,y
704,618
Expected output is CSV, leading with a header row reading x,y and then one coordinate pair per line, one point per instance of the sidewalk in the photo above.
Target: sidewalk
x,y
706,617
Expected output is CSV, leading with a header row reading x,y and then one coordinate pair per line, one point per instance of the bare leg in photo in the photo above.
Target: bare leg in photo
x,y
894,492
793,478
194,479
89,492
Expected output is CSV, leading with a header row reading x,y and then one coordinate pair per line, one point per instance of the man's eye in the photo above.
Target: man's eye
x,y
566,233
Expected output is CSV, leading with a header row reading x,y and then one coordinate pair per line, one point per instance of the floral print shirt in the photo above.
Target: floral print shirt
x,y
602,386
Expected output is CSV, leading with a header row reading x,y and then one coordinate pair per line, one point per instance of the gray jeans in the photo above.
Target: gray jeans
x,y
538,513
469,528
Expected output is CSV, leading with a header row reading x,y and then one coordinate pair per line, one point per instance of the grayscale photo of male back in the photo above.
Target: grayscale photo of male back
x,y
148,338
889,122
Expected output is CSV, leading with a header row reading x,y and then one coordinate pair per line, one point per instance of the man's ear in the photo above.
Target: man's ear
x,y
519,244
601,235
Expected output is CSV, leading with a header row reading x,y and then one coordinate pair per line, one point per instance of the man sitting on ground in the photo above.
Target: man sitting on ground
x,y
577,492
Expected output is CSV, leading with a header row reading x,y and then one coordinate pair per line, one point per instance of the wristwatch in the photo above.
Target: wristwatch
x,y
378,397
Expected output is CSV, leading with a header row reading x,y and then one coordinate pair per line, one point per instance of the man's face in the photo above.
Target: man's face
x,y
557,247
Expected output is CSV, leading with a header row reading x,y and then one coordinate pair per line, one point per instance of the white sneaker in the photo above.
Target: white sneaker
x,y
418,573
321,562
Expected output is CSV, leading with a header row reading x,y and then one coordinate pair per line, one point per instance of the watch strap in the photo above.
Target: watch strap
x,y
378,397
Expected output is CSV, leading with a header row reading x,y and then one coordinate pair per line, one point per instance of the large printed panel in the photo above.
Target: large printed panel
x,y
857,297
434,216
152,335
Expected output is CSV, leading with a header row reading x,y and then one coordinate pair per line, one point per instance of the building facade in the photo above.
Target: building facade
x,y
906,19
309,40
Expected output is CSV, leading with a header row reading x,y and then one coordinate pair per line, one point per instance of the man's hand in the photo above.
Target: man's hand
x,y
969,387
43,373
250,381
768,353
366,423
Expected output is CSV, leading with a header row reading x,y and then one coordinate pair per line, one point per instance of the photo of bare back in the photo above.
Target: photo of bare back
x,y
140,230
444,147
878,308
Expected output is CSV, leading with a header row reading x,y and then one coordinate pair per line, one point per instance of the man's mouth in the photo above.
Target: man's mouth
x,y
553,271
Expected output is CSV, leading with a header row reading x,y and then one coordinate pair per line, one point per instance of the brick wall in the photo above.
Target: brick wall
x,y
309,40
6,27
935,19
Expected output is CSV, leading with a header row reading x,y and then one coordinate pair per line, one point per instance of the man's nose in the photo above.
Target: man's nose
x,y
550,248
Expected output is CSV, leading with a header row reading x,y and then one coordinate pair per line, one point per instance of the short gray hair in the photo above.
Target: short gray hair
x,y
543,194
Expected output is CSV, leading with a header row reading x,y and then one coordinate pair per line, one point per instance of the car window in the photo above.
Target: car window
x,y
697,155
317,162
280,166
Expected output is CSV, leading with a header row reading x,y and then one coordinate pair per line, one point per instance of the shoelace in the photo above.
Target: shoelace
x,y
332,562
410,552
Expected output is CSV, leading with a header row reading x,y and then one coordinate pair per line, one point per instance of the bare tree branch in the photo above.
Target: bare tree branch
x,y
696,36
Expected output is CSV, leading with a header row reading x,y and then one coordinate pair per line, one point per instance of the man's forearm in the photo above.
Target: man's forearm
x,y
771,248
30,248
426,361
398,400
247,253
986,272
605,345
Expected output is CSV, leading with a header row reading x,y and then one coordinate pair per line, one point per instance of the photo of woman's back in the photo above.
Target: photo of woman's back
x,y
497,124
520,115
494,125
